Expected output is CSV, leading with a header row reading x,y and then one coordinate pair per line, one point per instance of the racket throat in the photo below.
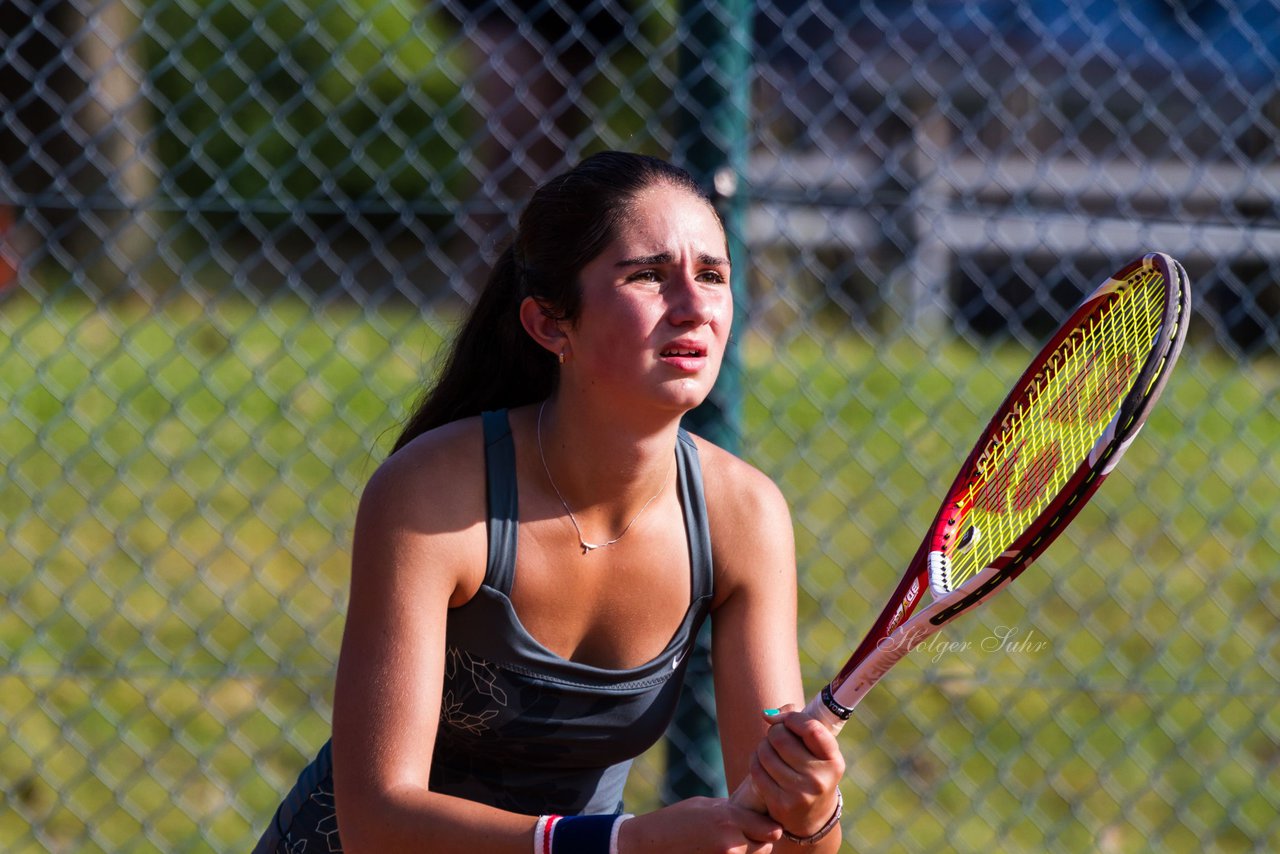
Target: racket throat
x,y
942,570
941,581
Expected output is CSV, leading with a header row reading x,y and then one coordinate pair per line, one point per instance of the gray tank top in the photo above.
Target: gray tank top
x,y
525,730
521,728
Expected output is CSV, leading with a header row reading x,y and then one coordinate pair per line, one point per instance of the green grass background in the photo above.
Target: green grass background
x,y
180,484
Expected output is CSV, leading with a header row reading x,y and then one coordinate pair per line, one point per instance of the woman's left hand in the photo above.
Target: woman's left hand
x,y
796,770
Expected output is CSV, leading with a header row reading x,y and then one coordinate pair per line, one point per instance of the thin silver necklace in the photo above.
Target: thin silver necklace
x,y
589,547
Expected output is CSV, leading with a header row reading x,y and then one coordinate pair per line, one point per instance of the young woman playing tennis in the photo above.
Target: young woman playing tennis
x,y
532,564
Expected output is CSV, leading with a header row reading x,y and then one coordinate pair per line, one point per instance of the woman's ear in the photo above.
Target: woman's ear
x,y
544,327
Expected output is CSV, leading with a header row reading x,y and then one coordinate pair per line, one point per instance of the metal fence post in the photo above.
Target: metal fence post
x,y
711,133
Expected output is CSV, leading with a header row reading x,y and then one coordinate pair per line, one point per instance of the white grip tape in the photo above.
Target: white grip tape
x,y
818,710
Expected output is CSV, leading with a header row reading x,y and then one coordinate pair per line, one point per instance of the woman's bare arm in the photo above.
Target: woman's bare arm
x,y
795,767
418,541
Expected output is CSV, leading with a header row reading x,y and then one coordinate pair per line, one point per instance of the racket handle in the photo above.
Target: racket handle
x,y
817,709
746,795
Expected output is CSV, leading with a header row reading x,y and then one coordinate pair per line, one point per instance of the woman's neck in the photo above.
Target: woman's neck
x,y
601,464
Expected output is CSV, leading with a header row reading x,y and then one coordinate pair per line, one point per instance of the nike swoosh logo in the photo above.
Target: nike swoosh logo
x,y
675,662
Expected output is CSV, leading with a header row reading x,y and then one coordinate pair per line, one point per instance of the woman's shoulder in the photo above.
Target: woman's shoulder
x,y
750,526
437,478
736,488
425,507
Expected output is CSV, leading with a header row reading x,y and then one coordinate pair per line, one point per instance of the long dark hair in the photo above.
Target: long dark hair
x,y
568,221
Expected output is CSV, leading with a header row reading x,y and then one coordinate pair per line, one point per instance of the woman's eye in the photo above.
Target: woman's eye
x,y
645,276
711,276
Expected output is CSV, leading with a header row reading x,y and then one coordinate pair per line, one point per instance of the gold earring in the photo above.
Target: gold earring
x,y
562,357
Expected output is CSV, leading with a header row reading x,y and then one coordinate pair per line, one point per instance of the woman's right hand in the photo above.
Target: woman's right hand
x,y
700,826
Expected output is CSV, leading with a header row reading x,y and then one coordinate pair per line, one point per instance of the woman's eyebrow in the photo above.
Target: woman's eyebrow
x,y
646,260
667,257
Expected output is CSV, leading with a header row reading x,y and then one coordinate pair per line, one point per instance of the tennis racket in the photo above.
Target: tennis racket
x,y
1056,437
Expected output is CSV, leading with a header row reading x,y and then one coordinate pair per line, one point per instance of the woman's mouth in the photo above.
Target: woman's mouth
x,y
686,358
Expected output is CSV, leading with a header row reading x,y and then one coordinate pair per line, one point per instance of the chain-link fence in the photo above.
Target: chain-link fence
x,y
234,232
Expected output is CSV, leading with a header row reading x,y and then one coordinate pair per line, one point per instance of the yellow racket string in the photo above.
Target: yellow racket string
x,y
1065,410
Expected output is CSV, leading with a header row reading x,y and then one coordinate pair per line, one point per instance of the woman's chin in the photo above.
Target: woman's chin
x,y
687,393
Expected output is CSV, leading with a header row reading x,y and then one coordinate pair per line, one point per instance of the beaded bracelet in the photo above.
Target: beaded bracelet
x,y
577,834
815,838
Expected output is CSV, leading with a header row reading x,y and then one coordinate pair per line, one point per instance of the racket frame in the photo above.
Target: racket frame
x,y
895,631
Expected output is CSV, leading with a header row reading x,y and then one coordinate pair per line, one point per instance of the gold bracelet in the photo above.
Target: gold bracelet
x,y
822,831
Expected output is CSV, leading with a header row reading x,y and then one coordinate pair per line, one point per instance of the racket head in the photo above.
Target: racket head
x,y
1059,432
1062,428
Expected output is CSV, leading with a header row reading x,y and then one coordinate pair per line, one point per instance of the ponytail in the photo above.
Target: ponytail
x,y
493,364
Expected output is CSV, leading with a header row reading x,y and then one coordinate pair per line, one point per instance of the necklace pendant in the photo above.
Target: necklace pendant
x,y
587,548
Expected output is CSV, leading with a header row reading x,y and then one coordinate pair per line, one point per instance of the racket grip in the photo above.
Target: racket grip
x,y
746,795
817,709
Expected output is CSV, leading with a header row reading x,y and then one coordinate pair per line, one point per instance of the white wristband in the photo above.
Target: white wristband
x,y
542,834
613,834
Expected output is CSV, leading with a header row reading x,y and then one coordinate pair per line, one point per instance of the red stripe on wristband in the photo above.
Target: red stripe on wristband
x,y
543,832
550,832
